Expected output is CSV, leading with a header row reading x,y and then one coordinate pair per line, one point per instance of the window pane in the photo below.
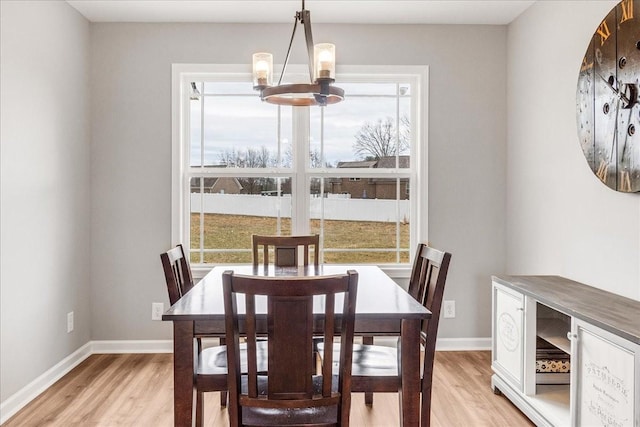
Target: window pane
x,y
405,125
224,215
337,257
364,128
195,128
239,131
350,217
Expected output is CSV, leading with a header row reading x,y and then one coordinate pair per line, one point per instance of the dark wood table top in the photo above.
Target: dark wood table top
x,y
379,297
613,313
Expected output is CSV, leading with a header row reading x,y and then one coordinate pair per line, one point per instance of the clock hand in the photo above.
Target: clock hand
x,y
615,132
621,96
626,138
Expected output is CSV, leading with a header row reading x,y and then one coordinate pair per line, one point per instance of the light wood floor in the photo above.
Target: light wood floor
x,y
137,390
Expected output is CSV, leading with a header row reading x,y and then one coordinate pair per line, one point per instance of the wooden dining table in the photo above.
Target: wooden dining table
x,y
383,308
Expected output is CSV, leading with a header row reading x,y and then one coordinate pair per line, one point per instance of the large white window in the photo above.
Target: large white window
x,y
353,172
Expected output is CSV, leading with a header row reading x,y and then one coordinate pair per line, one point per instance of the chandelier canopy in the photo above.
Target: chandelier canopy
x,y
322,70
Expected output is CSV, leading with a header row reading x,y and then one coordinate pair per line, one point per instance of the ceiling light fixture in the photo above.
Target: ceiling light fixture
x,y
322,70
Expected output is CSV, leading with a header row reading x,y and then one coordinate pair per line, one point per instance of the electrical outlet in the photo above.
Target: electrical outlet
x,y
157,308
449,309
69,321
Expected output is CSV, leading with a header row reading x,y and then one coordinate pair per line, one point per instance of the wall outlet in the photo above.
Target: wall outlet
x,y
449,309
157,308
69,321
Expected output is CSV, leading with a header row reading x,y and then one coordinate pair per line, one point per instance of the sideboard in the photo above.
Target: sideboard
x,y
589,338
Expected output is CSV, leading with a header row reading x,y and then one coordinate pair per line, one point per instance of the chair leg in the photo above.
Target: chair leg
x,y
426,387
368,396
199,409
223,394
426,408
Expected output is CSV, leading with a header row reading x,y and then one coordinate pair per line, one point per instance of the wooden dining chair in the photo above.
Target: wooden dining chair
x,y
285,249
415,289
211,374
290,393
375,368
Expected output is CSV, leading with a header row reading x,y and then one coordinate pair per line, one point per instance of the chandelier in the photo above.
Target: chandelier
x,y
322,69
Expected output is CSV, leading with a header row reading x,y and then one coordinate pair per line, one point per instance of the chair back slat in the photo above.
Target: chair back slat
x,y
290,349
416,272
290,329
285,249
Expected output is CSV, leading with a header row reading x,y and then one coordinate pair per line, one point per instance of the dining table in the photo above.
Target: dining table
x,y
383,308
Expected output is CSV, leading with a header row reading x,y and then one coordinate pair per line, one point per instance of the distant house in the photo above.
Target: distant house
x,y
371,188
222,185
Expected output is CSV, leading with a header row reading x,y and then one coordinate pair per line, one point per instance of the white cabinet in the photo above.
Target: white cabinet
x,y
543,321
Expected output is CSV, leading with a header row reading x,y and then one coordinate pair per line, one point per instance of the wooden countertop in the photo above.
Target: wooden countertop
x,y
611,312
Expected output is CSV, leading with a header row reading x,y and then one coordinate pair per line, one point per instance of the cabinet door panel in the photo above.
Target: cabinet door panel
x,y
508,334
604,382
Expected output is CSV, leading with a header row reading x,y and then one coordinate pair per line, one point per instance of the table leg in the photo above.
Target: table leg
x,y
410,371
183,368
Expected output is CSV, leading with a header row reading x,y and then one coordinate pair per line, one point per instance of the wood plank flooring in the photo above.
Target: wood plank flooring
x,y
137,390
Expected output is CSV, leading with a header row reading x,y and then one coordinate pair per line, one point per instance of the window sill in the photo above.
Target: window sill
x,y
395,271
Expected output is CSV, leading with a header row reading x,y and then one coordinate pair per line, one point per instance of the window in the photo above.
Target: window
x,y
353,172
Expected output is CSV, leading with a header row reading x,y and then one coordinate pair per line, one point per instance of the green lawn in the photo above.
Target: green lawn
x,y
234,232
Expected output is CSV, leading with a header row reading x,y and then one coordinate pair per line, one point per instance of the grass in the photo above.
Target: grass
x,y
234,232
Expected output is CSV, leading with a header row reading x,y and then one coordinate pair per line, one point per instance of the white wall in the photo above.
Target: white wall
x,y
131,151
560,218
45,182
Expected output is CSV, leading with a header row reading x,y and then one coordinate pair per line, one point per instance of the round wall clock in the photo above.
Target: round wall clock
x,y
608,107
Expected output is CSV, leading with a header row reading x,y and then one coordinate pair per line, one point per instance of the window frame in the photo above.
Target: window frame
x,y
183,74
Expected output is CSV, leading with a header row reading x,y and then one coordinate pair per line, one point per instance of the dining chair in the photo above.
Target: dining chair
x,y
290,393
211,374
285,249
375,368
416,288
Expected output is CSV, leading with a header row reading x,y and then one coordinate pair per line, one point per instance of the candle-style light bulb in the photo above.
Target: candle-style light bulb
x,y
262,66
325,62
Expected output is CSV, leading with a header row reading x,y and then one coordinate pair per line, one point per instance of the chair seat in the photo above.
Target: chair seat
x,y
213,360
323,415
369,360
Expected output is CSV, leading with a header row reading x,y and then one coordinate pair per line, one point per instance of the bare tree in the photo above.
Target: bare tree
x,y
380,139
315,160
249,158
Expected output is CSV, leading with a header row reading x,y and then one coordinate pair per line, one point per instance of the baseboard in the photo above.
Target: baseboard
x,y
20,399
463,344
124,346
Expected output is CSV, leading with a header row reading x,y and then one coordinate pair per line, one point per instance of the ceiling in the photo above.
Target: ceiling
x,y
494,12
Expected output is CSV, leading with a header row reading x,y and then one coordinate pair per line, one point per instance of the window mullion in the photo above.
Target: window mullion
x,y
301,196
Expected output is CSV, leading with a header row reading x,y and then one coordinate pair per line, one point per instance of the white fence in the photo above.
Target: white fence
x,y
382,210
